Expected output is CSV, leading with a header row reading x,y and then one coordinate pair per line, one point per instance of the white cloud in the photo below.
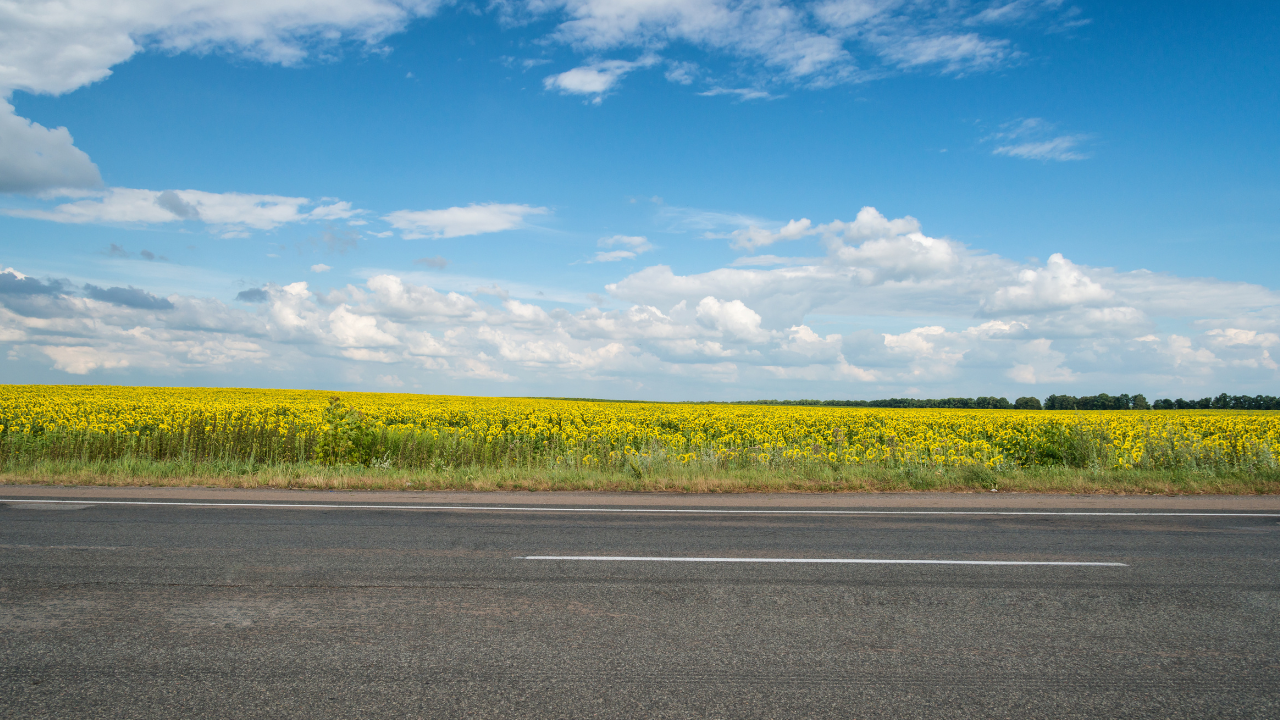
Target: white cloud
x,y
775,33
1185,353
353,330
751,238
1060,283
82,359
230,212
612,256
597,78
1237,336
852,13
1042,364
1007,12
732,318
320,268
743,94
1059,148
815,45
889,311
1034,139
461,221
336,211
47,46
479,370
56,46
875,248
772,260
630,246
1244,348
683,73
803,340
888,249
394,297
34,158
954,53
1061,16
931,352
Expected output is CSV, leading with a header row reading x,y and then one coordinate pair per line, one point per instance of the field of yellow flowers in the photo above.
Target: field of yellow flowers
x,y
439,433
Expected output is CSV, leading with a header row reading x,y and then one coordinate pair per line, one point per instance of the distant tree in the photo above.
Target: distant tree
x,y
992,403
1101,401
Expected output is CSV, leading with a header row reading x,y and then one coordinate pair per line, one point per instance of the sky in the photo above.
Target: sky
x,y
642,199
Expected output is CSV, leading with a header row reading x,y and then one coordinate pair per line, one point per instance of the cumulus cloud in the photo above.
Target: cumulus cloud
x,y
874,248
753,237
128,297
461,221
13,282
34,158
732,318
887,311
1238,336
1060,283
1059,323
597,78
1041,364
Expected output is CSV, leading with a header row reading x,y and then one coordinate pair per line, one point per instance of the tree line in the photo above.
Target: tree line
x,y
1101,401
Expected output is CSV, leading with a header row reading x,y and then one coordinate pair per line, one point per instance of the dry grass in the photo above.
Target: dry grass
x,y
149,473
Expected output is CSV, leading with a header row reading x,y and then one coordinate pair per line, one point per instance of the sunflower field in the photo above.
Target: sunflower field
x,y
426,432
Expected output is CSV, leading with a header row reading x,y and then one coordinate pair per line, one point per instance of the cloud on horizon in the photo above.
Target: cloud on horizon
x,y
461,221
938,317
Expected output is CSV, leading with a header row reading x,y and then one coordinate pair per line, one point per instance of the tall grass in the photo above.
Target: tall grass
x,y
134,472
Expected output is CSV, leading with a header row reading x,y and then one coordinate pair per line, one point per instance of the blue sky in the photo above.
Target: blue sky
x,y
642,198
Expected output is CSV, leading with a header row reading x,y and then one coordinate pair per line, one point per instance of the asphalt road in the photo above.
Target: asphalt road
x,y
181,611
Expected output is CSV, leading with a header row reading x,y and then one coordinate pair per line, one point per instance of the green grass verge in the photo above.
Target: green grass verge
x,y
129,472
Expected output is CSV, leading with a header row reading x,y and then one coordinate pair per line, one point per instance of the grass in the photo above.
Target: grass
x,y
135,472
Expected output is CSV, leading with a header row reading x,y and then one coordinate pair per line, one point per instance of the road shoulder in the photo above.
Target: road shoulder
x,y
954,501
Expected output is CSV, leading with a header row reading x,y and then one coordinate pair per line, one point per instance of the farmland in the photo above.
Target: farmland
x,y
302,438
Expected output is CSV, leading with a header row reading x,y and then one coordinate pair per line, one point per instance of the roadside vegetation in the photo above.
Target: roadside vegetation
x,y
285,438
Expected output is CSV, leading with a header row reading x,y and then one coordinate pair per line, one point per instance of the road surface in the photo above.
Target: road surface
x,y
243,604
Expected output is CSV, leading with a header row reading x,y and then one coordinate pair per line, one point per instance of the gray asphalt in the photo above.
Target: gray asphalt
x,y
172,611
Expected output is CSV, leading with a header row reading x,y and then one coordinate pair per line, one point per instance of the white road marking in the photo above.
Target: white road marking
x,y
683,511
846,561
